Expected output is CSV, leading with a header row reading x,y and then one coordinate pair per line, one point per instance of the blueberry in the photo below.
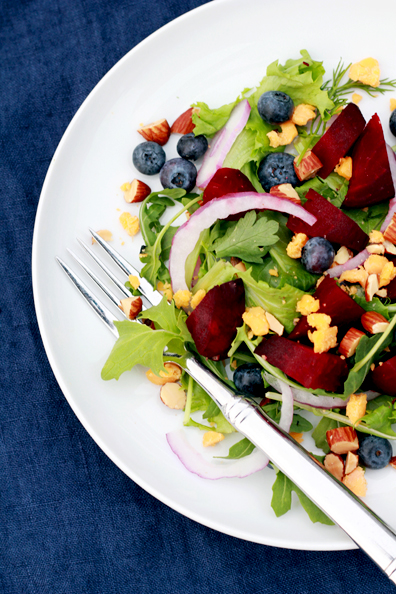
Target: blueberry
x,y
248,380
148,158
374,452
275,107
192,147
178,173
277,168
392,122
317,255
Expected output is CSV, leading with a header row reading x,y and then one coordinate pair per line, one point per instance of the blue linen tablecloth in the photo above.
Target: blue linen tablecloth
x,y
71,521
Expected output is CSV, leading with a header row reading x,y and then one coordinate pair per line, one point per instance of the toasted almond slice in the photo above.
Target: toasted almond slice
x,y
171,374
372,286
159,131
173,396
342,440
136,191
374,322
351,462
349,343
131,306
390,231
274,325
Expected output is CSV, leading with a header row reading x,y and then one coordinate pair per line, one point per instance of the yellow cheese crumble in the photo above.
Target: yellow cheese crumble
x,y
134,281
130,223
255,318
302,114
324,337
344,167
294,248
285,137
366,71
165,289
356,407
197,298
307,305
356,98
182,298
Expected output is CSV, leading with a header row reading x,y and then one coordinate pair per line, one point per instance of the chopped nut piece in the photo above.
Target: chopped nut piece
x,y
389,247
372,287
351,462
376,248
173,396
294,248
344,167
302,114
356,408
130,223
285,137
255,318
356,98
349,343
307,305
376,237
390,231
285,191
356,482
171,374
134,281
131,306
182,298
197,298
211,438
158,132
335,465
375,263
374,322
342,440
366,71
343,255
136,191
104,234
165,289
308,167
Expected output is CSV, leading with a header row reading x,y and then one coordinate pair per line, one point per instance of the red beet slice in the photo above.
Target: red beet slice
x,y
214,321
335,303
311,370
384,377
371,180
338,139
332,223
391,289
226,181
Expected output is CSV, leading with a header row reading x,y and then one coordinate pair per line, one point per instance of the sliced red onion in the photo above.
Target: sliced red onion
x,y
196,463
349,265
188,234
392,202
305,397
287,408
222,142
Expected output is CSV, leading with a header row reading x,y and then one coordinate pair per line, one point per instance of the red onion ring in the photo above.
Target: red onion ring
x,y
188,234
392,202
349,265
222,142
287,408
196,463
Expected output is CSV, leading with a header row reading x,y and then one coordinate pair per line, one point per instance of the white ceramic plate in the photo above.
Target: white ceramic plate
x,y
209,54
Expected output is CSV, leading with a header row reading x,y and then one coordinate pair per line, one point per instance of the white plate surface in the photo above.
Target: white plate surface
x,y
209,54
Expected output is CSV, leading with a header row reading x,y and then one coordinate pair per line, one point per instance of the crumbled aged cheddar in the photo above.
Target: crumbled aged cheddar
x,y
356,407
134,281
307,305
211,438
273,271
387,274
356,275
344,167
182,298
324,337
294,248
356,98
376,237
197,298
285,137
165,289
130,223
302,114
255,318
375,263
366,71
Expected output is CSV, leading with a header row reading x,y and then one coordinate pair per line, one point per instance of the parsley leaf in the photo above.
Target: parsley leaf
x,y
248,238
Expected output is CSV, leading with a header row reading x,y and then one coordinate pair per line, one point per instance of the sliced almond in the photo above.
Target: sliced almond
x,y
376,248
131,306
171,374
342,440
389,247
349,343
159,131
285,191
343,255
372,286
335,465
374,322
351,462
173,396
390,231
274,325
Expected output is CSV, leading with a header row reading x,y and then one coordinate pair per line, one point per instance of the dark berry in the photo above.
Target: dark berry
x,y
248,380
192,147
317,255
392,122
148,158
178,173
275,107
374,452
277,168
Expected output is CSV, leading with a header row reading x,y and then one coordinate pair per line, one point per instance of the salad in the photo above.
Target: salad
x,y
282,277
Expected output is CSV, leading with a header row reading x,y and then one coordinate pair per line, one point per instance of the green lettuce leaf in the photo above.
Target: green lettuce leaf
x,y
209,121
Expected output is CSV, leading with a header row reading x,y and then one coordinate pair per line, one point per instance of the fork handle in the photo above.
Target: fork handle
x,y
358,521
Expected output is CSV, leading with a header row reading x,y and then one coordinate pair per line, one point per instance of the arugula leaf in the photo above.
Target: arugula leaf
x,y
282,496
168,317
247,238
374,305
152,209
239,450
319,433
370,218
381,415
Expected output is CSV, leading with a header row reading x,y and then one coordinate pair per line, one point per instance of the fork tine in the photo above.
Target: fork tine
x,y
152,296
106,270
113,298
104,314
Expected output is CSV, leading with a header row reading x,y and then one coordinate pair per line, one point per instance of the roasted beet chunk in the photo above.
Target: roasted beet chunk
x,y
371,180
311,370
338,139
384,377
331,223
214,322
335,303
226,181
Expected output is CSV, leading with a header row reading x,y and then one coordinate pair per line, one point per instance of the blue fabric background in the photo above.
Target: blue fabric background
x,y
71,521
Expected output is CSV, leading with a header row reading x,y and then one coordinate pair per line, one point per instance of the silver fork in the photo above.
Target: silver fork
x,y
359,522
